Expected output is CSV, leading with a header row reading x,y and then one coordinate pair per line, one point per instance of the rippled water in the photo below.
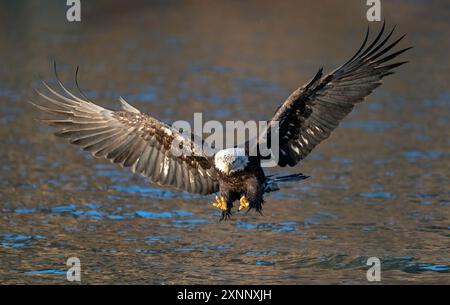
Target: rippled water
x,y
379,186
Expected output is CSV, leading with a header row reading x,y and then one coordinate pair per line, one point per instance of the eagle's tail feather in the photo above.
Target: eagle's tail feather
x,y
273,182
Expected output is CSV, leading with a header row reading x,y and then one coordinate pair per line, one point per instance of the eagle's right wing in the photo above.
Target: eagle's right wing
x,y
133,139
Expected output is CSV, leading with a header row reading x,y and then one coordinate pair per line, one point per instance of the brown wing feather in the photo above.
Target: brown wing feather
x,y
312,112
131,139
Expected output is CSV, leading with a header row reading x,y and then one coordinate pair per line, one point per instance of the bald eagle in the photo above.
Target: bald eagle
x,y
136,140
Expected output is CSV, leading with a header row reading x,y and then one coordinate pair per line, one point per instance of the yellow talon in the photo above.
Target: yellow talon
x,y
220,203
243,203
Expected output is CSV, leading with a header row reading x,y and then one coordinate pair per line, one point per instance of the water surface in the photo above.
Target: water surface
x,y
379,185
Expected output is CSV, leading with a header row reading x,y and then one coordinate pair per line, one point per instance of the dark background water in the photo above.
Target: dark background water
x,y
379,185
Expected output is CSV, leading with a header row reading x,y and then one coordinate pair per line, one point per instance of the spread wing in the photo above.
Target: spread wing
x,y
312,112
132,139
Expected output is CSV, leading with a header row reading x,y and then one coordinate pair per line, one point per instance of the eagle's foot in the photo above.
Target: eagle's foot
x,y
220,203
243,203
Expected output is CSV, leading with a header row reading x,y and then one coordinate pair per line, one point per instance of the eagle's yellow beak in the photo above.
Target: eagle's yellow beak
x,y
227,168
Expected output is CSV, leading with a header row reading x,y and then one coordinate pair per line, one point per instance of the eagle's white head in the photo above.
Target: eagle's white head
x,y
230,160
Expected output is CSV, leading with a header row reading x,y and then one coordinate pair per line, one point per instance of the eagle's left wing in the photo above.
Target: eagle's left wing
x,y
132,139
312,112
